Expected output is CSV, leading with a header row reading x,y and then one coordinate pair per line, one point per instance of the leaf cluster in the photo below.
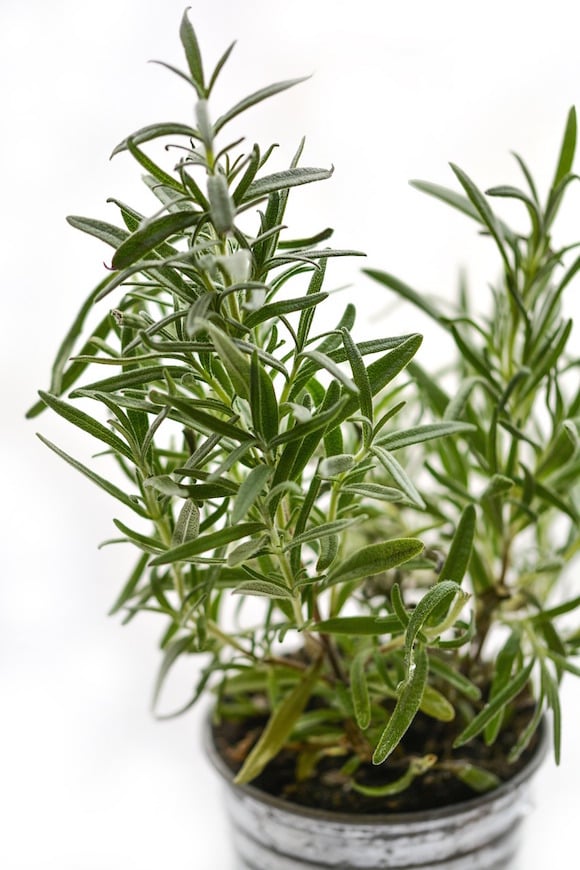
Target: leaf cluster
x,y
257,459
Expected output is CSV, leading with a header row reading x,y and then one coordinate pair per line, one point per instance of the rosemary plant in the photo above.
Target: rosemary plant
x,y
258,455
515,379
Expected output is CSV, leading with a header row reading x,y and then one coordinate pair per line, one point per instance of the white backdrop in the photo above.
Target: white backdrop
x,y
89,781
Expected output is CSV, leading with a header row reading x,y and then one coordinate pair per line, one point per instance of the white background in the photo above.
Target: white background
x,y
89,780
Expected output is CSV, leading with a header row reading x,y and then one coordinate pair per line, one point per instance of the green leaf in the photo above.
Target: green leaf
x,y
482,207
263,589
417,767
146,543
151,234
204,543
279,726
419,300
187,524
87,423
436,705
567,150
130,586
324,530
319,421
327,363
237,364
144,375
110,488
154,131
417,434
408,703
165,485
399,475
335,465
101,230
246,551
282,307
249,491
374,490
507,694
192,53
361,379
253,99
308,242
219,66
439,596
358,625
285,179
198,419
454,678
360,691
263,401
477,778
459,554
374,559
172,653
222,209
504,663
498,485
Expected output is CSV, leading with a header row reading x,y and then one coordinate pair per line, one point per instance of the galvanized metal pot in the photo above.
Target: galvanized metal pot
x,y
479,834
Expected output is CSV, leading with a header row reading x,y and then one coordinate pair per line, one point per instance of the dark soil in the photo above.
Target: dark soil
x,y
328,788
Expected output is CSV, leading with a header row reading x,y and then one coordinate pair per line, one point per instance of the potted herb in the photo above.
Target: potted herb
x,y
364,560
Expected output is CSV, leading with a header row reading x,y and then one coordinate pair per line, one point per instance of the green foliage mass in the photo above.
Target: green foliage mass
x,y
373,516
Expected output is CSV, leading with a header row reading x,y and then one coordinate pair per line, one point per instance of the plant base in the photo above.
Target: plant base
x,y
480,834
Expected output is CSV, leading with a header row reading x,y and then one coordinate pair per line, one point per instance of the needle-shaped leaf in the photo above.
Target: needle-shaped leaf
x,y
420,300
358,625
192,53
187,524
144,542
374,559
236,363
417,767
155,131
109,487
374,490
504,663
282,180
361,378
567,150
152,234
399,475
507,694
279,726
417,434
361,701
406,708
263,589
87,423
173,651
253,99
439,595
249,491
129,589
324,530
282,307
483,209
459,554
205,543
101,230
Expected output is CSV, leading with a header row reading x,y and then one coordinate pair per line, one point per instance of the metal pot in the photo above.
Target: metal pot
x,y
479,834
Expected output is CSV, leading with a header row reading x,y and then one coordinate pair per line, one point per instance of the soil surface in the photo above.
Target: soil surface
x,y
329,789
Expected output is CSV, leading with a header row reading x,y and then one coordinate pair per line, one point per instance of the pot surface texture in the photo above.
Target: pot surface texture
x,y
480,834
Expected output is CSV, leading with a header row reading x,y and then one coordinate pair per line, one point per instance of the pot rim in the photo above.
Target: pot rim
x,y
376,819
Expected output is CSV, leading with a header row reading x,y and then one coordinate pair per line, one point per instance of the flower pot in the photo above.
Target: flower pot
x,y
479,834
